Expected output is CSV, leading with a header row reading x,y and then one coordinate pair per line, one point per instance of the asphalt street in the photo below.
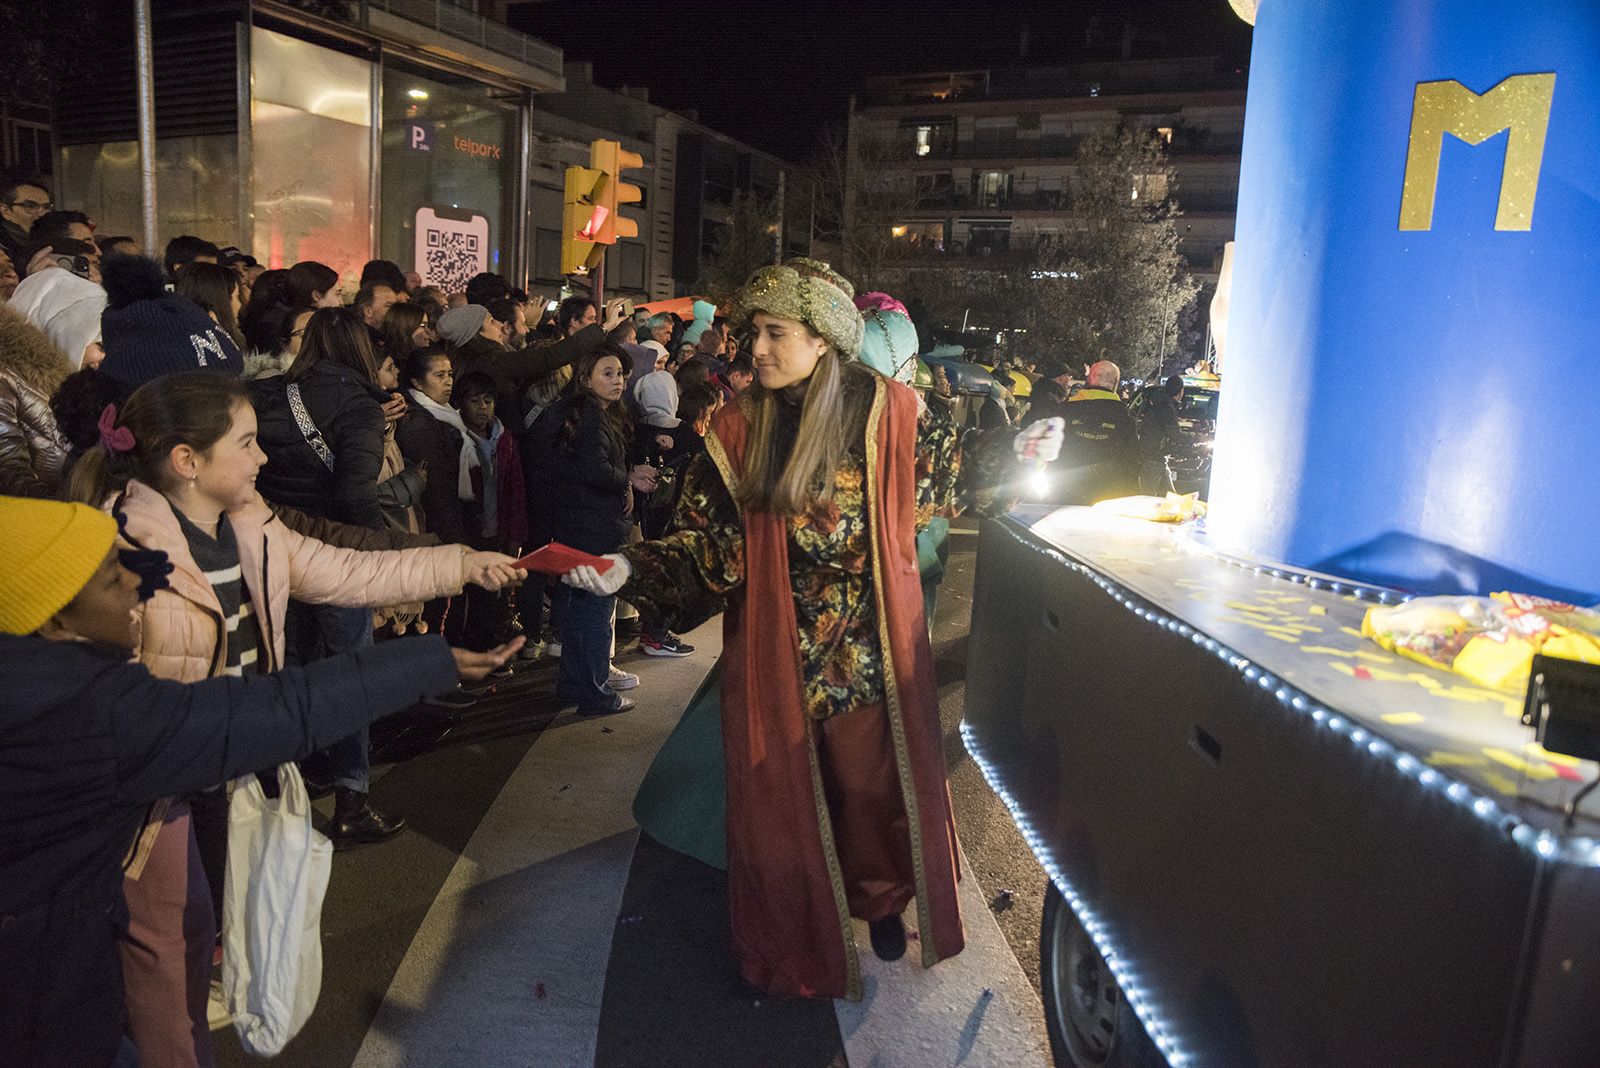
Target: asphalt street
x,y
522,919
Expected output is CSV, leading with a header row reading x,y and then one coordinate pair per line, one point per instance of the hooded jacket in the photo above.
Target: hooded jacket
x,y
183,636
704,313
581,485
67,308
87,742
33,452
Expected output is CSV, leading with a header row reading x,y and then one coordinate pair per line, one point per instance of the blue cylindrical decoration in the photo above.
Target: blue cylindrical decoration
x,y
1412,386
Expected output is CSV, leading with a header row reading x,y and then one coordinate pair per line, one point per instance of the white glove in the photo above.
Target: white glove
x,y
1041,441
589,580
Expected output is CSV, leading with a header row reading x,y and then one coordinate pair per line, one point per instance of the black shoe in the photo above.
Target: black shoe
x,y
356,822
888,937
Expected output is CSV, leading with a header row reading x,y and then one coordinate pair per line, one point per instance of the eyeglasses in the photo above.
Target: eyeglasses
x,y
32,205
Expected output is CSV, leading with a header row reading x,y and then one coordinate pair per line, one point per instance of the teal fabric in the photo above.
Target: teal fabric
x,y
683,801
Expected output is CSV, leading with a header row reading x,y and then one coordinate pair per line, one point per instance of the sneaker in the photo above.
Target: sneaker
x,y
624,704
504,671
669,645
888,937
552,647
217,1014
533,650
621,680
455,700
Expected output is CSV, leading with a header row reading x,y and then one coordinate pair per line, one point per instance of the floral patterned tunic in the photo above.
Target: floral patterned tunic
x,y
685,577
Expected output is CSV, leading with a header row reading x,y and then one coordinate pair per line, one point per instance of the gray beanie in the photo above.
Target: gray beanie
x,y
460,325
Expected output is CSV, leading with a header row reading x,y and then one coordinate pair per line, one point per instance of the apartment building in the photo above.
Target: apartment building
x,y
986,157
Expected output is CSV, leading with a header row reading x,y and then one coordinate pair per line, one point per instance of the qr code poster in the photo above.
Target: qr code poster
x,y
451,248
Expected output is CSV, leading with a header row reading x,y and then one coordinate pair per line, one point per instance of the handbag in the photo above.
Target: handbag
x,y
278,867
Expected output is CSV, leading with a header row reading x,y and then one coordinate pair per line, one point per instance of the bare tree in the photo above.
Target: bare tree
x,y
862,196
1112,285
747,241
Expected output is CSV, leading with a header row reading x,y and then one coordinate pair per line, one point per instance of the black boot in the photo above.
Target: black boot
x,y
356,822
888,937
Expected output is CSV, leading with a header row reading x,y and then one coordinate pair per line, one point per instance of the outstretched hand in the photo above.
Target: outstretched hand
x,y
473,666
492,571
589,580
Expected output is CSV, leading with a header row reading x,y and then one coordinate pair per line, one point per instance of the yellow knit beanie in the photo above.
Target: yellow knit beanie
x,y
48,552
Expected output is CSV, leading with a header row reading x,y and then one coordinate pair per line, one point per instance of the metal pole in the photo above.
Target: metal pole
x,y
146,88
597,287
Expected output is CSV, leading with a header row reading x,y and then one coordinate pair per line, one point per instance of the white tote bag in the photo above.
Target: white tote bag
x,y
278,866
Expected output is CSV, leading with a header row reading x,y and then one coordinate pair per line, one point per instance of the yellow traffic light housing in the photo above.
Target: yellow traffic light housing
x,y
583,218
611,159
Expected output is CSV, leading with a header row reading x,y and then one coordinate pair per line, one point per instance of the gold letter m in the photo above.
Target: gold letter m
x,y
1521,104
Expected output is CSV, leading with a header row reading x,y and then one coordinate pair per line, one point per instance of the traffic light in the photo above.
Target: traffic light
x,y
611,159
583,217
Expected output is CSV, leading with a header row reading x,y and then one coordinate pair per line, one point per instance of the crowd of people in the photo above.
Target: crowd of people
x,y
320,479
240,518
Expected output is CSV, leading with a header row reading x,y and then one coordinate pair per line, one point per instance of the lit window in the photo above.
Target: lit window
x,y
898,231
1165,133
924,140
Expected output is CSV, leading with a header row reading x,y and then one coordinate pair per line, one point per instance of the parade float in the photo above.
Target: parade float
x,y
1271,839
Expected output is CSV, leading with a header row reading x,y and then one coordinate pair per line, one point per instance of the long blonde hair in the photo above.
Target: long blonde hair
x,y
787,477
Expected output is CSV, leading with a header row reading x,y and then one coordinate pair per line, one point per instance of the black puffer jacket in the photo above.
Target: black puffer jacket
x,y
580,486
426,440
348,412
87,742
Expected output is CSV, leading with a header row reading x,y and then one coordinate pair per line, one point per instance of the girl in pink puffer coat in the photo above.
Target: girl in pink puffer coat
x,y
178,466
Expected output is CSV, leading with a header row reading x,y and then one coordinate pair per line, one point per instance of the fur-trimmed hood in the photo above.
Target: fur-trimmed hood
x,y
28,354
258,365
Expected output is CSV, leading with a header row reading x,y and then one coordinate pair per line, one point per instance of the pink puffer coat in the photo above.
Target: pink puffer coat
x,y
182,628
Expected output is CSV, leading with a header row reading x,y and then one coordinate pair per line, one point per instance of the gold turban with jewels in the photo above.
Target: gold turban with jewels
x,y
807,296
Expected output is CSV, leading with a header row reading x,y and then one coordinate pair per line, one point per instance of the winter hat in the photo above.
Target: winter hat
x,y
657,393
460,325
48,552
889,340
810,298
148,331
67,308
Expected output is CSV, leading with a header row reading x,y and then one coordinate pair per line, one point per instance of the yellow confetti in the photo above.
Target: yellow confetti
x,y
1500,783
1403,719
1317,610
1516,763
1441,759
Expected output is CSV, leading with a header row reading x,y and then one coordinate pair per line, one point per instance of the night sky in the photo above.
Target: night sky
x,y
772,73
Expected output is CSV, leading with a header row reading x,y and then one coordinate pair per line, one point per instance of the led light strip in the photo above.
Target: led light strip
x,y
1161,1034
1581,852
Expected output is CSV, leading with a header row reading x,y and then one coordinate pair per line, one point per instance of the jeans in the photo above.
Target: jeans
x,y
586,635
316,631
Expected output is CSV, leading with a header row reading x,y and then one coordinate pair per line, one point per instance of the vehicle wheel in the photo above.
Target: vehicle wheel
x,y
1091,1024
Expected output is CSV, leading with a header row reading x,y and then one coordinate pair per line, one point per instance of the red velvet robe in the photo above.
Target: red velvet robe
x,y
791,920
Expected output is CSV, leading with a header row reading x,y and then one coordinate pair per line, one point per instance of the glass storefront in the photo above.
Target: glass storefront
x,y
448,177
311,153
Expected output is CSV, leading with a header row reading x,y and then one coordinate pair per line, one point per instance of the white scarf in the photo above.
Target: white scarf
x,y
469,452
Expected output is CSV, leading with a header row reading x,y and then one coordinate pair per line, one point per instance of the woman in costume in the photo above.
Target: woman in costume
x,y
799,523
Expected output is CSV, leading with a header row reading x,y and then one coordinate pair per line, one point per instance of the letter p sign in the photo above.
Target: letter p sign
x,y
418,136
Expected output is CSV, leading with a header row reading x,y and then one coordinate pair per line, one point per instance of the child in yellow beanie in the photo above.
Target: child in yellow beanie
x,y
88,739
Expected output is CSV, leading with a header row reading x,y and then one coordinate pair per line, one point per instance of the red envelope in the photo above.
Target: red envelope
x,y
558,559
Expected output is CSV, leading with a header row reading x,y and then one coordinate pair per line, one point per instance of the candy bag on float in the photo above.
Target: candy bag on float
x,y
1490,640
